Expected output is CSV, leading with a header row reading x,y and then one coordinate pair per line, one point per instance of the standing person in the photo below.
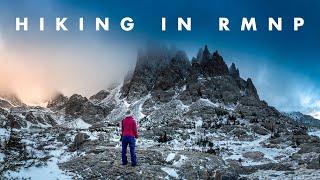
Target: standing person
x,y
129,133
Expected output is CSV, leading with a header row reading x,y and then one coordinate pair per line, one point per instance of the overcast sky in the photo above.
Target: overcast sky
x,y
283,65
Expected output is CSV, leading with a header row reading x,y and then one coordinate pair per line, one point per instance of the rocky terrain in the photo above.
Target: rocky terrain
x,y
198,119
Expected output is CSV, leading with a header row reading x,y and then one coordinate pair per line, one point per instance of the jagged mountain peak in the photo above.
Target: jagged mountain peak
x,y
234,71
171,75
100,95
8,100
205,55
303,118
251,89
57,102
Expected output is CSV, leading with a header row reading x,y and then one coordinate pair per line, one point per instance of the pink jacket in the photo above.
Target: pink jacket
x,y
129,127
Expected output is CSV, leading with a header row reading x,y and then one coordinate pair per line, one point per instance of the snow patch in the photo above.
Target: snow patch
x,y
170,171
199,123
207,102
51,170
309,174
2,156
181,161
240,147
78,124
314,133
170,157
4,133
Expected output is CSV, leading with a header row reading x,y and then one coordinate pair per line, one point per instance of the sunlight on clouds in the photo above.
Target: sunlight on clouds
x,y
315,114
35,73
305,100
311,105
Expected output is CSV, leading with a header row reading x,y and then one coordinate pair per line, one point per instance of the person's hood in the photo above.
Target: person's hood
x,y
129,117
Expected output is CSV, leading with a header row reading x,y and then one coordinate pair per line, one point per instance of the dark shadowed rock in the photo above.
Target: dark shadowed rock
x,y
5,104
251,89
58,102
150,63
220,66
31,118
79,106
79,139
213,65
234,72
205,55
100,95
75,104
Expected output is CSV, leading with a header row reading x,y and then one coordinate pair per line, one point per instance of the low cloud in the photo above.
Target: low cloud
x,y
35,72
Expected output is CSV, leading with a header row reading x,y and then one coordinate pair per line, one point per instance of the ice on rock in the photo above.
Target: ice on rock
x,y
2,156
170,157
199,123
314,133
171,172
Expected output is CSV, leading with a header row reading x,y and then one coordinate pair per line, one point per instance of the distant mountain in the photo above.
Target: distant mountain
x,y
303,119
8,100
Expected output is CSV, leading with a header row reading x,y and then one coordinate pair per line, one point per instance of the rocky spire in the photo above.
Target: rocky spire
x,y
205,55
219,65
199,55
251,89
234,71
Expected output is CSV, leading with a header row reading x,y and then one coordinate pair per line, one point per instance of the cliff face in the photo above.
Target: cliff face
x,y
167,71
166,75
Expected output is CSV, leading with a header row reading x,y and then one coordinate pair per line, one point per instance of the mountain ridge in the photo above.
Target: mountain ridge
x,y
307,120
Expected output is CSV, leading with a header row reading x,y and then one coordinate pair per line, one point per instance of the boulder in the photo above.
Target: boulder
x,y
309,148
314,163
79,139
254,155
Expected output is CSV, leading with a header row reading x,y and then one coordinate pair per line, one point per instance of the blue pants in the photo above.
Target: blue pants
x,y
132,144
